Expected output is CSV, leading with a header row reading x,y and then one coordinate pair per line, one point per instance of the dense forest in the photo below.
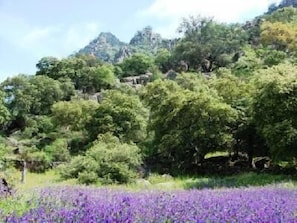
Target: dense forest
x,y
219,88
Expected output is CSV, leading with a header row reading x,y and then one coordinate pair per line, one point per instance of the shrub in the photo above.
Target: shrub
x,y
108,158
58,151
38,162
4,151
87,177
77,165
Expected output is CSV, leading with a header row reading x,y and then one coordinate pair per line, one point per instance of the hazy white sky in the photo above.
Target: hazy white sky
x,y
32,29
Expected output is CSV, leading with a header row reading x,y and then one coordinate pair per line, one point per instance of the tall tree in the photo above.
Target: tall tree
x,y
120,114
275,109
279,36
73,114
207,44
137,64
94,79
34,94
187,124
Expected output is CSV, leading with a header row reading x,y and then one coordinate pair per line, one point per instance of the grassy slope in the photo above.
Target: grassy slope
x,y
167,182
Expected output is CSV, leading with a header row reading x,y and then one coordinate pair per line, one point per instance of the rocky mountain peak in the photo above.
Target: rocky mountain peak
x,y
109,48
105,47
146,37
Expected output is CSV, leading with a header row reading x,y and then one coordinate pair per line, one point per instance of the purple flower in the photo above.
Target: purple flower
x,y
83,204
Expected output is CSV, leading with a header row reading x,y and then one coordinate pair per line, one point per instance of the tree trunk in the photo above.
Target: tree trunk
x,y
23,171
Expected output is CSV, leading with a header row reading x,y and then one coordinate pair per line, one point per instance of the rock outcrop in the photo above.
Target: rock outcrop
x,y
109,48
105,47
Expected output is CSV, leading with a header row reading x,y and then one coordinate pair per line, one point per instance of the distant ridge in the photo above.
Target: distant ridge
x,y
285,3
109,48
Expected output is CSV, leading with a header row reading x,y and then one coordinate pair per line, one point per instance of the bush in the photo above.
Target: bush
x,y
38,162
87,177
108,158
4,151
77,145
77,165
58,151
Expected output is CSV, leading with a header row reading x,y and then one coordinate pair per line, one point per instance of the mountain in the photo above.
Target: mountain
x,y
149,41
284,3
109,48
288,3
105,47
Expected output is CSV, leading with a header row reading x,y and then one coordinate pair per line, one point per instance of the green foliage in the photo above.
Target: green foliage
x,y
121,115
232,91
192,81
87,177
284,15
90,60
164,60
58,151
17,205
77,165
273,57
77,144
34,95
135,65
44,124
108,161
188,124
38,161
240,180
238,93
235,91
65,68
73,114
104,77
279,36
94,79
86,73
207,44
4,112
47,66
5,152
274,109
247,64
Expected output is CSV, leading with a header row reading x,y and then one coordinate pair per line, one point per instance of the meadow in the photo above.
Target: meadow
x,y
246,198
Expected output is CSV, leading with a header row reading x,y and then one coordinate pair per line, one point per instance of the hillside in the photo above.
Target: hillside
x,y
161,105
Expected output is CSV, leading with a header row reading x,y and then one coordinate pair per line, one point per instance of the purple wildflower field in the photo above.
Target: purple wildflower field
x,y
82,204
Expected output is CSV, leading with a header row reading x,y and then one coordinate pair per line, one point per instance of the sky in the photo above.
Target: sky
x,y
32,29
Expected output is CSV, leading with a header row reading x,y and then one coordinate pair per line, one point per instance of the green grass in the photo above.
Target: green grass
x,y
241,180
38,180
24,199
166,182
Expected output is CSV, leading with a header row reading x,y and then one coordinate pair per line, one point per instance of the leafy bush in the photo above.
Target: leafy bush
x,y
87,177
274,57
108,161
77,145
38,161
58,151
3,152
77,165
